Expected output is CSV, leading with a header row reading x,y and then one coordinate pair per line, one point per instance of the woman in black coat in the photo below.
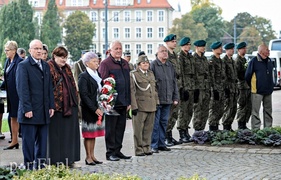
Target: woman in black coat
x,y
11,64
89,84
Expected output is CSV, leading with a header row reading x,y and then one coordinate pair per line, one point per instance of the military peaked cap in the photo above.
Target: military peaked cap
x,y
241,45
216,45
184,41
170,37
200,43
127,53
142,58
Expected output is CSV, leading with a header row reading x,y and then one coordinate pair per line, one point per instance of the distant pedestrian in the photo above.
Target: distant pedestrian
x,y
45,53
166,84
21,52
127,57
259,78
244,93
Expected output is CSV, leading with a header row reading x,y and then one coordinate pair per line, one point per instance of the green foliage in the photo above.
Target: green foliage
x,y
222,138
79,33
5,174
51,30
194,177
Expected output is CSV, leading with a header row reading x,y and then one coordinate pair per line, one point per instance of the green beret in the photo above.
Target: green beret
x,y
127,53
184,41
229,46
216,45
241,45
142,58
170,37
200,43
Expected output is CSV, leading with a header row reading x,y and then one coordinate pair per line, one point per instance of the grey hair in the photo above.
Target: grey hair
x,y
88,56
11,45
113,43
21,51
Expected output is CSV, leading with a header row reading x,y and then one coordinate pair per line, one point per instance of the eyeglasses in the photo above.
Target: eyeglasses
x,y
7,50
164,51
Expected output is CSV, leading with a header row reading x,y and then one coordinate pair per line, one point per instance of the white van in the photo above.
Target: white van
x,y
275,57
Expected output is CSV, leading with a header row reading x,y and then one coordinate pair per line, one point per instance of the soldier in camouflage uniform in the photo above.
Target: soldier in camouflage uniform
x,y
231,91
218,77
201,87
244,96
186,92
171,44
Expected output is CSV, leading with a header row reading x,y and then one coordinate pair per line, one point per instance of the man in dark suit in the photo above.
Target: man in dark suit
x,y
36,105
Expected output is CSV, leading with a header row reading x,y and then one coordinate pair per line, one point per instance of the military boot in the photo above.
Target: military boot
x,y
169,139
183,136
187,134
213,128
175,141
227,127
242,125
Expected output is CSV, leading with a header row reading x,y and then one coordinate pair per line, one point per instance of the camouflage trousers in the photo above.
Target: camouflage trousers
x,y
244,107
230,108
185,112
174,112
201,110
216,109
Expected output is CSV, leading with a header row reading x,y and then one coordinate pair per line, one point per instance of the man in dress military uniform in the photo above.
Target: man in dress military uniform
x,y
231,91
244,95
217,72
171,43
201,87
127,57
144,99
186,61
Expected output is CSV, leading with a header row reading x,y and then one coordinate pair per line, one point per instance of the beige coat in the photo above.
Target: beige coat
x,y
143,98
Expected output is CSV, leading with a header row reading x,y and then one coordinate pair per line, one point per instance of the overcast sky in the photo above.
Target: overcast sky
x,y
269,9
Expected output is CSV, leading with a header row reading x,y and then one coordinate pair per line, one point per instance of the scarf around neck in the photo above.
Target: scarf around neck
x,y
95,76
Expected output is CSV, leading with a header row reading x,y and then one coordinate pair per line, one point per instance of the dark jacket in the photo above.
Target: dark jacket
x,y
166,81
259,75
35,90
10,85
121,72
88,90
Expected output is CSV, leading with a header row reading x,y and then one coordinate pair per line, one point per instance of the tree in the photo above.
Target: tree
x,y
51,30
212,20
186,26
79,33
251,36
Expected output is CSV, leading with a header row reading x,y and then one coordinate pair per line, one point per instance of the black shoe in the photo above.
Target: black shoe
x,y
12,147
175,142
112,158
2,136
148,153
9,141
169,142
90,164
154,150
164,148
98,162
141,154
122,156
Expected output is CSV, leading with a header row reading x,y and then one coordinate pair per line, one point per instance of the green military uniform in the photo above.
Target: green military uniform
x,y
201,90
187,91
218,77
144,99
244,95
230,102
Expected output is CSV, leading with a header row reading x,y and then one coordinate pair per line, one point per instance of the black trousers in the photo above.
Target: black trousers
x,y
114,131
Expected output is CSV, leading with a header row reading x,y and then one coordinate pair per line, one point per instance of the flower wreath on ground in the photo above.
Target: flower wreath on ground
x,y
108,94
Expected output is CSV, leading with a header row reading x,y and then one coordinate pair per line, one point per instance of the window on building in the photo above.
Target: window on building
x,y
149,49
127,16
161,32
94,1
138,16
149,32
93,48
95,33
34,3
127,32
149,16
94,16
116,16
138,48
39,17
161,16
103,33
115,33
138,32
122,2
103,49
103,16
127,47
77,3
